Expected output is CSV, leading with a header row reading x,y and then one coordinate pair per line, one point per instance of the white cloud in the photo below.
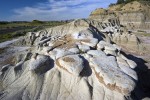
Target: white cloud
x,y
59,10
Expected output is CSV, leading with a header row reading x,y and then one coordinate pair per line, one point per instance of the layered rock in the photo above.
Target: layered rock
x,y
135,15
75,61
109,30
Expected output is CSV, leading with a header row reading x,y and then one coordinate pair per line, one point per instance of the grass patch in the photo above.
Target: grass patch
x,y
9,30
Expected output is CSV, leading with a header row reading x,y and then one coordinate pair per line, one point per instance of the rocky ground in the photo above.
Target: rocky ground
x,y
142,58
146,54
8,52
134,15
79,60
87,59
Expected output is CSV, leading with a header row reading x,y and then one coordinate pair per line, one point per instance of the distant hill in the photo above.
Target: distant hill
x,y
134,15
36,22
128,1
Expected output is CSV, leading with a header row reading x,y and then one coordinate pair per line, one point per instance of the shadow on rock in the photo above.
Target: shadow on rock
x,y
46,67
87,71
142,89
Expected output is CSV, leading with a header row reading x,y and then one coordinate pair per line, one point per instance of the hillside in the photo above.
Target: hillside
x,y
134,15
135,6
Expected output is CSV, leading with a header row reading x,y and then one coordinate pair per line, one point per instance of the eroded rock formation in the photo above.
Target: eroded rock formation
x,y
135,15
76,61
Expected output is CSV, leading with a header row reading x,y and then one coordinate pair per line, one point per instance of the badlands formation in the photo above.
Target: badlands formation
x,y
77,61
135,15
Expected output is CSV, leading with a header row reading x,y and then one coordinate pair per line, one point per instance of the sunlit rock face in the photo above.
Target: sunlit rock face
x,y
133,15
76,61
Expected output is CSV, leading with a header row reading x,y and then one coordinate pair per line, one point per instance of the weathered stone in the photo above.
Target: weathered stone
x,y
96,53
112,77
68,64
39,63
90,42
84,48
131,63
126,68
72,63
110,52
74,50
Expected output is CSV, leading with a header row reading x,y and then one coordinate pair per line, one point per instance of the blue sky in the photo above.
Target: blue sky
x,y
27,10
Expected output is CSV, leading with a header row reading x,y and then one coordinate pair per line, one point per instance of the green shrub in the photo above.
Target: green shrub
x,y
36,22
120,1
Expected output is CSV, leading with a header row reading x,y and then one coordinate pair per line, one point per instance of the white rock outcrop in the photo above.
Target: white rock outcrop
x,y
71,63
76,61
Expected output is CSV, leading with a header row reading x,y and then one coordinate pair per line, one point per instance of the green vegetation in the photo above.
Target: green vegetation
x,y
127,1
9,30
36,22
112,4
7,36
120,1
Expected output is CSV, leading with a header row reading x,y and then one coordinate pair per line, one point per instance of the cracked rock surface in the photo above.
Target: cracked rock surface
x,y
76,61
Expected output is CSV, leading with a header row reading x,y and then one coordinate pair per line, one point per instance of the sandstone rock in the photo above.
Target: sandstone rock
x,y
18,66
50,43
61,52
53,54
96,53
133,15
4,69
39,63
111,48
101,45
108,48
116,23
74,50
72,63
84,48
110,52
111,76
90,42
126,68
123,57
83,34
117,47
131,63
65,66
44,41
46,49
